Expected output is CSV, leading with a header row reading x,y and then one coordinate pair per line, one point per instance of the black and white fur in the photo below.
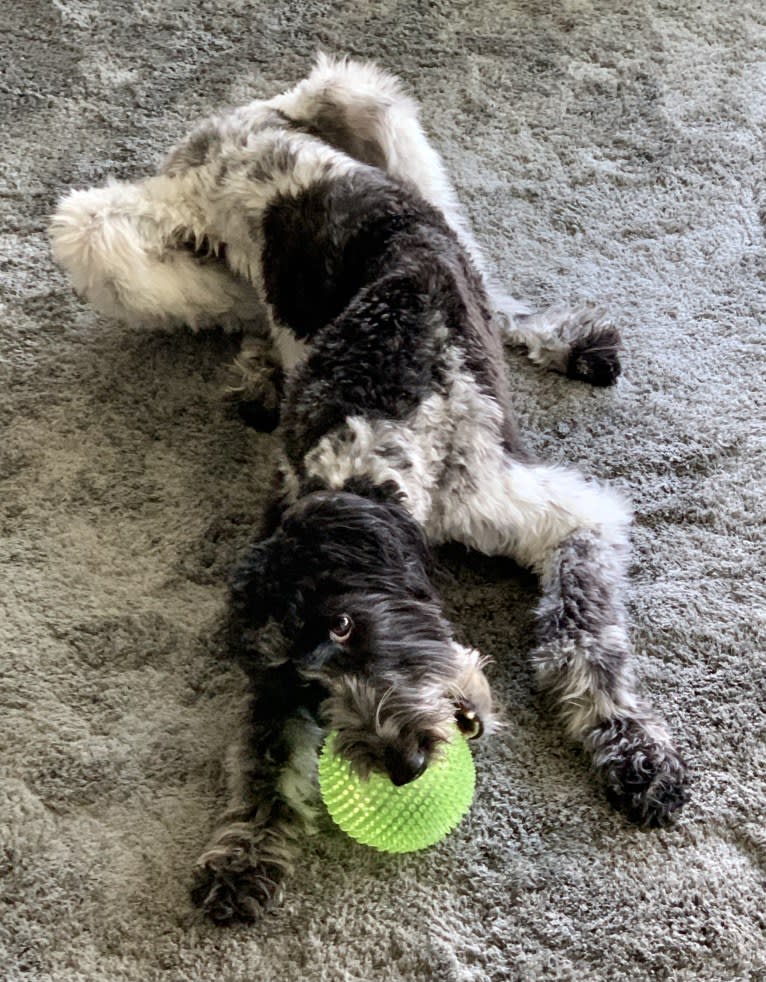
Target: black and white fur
x,y
325,215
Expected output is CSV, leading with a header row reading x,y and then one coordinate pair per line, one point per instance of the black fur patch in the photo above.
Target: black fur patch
x,y
372,275
323,245
596,358
387,325
330,543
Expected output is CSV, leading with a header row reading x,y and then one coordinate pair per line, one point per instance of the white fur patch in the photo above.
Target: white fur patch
x,y
119,245
460,483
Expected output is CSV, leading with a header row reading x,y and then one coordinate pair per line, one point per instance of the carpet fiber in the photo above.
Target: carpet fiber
x,y
607,150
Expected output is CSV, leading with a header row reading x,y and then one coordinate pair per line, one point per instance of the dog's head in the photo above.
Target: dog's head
x,y
347,579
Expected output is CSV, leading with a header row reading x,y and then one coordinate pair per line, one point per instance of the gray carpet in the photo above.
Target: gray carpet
x,y
608,150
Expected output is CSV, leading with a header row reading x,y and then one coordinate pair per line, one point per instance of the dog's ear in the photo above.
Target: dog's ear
x,y
408,543
266,586
255,584
402,527
259,608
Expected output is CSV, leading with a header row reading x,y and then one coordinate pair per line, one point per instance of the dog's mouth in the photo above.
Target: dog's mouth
x,y
397,734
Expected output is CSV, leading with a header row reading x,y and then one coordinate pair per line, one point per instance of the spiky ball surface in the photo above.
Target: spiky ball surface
x,y
377,813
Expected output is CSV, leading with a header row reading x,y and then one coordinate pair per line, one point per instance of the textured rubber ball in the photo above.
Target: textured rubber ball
x,y
399,819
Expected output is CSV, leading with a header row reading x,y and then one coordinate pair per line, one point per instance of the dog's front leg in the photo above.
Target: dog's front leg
x,y
583,659
575,536
271,779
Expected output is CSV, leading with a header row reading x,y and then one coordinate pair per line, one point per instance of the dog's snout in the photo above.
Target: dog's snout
x,y
403,768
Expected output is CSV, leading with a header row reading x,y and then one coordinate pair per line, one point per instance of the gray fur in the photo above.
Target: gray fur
x,y
583,662
396,405
349,128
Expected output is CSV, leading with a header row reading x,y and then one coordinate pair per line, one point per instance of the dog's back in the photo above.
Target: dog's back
x,y
370,274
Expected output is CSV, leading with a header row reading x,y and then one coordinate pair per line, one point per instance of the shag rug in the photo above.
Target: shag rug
x,y
607,150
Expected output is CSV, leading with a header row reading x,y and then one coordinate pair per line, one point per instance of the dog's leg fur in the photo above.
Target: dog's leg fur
x,y
583,661
576,341
126,248
575,536
272,787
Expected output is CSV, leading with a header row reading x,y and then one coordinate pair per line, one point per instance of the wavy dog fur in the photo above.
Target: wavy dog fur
x,y
323,224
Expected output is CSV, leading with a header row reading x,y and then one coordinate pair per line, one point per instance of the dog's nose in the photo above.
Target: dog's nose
x,y
404,767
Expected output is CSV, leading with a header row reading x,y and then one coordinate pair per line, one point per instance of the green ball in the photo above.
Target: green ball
x,y
377,813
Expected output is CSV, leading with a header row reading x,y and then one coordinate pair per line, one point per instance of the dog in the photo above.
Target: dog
x,y
322,224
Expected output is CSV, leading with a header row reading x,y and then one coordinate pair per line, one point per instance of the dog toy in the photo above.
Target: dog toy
x,y
377,813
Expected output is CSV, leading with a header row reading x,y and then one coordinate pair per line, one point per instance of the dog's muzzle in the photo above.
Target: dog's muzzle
x,y
403,768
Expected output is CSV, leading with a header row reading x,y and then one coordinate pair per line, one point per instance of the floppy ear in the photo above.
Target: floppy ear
x,y
258,609
415,548
413,551
255,585
265,587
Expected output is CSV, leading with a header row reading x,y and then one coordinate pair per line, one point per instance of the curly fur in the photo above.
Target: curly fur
x,y
323,224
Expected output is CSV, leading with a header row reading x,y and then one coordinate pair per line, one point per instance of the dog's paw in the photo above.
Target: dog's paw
x,y
228,885
264,419
646,781
594,356
254,392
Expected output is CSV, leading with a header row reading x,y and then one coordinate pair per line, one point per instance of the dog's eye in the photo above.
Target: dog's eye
x,y
341,628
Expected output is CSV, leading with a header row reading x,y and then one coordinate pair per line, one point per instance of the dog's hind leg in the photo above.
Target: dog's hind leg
x,y
271,776
576,341
366,113
574,534
141,253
